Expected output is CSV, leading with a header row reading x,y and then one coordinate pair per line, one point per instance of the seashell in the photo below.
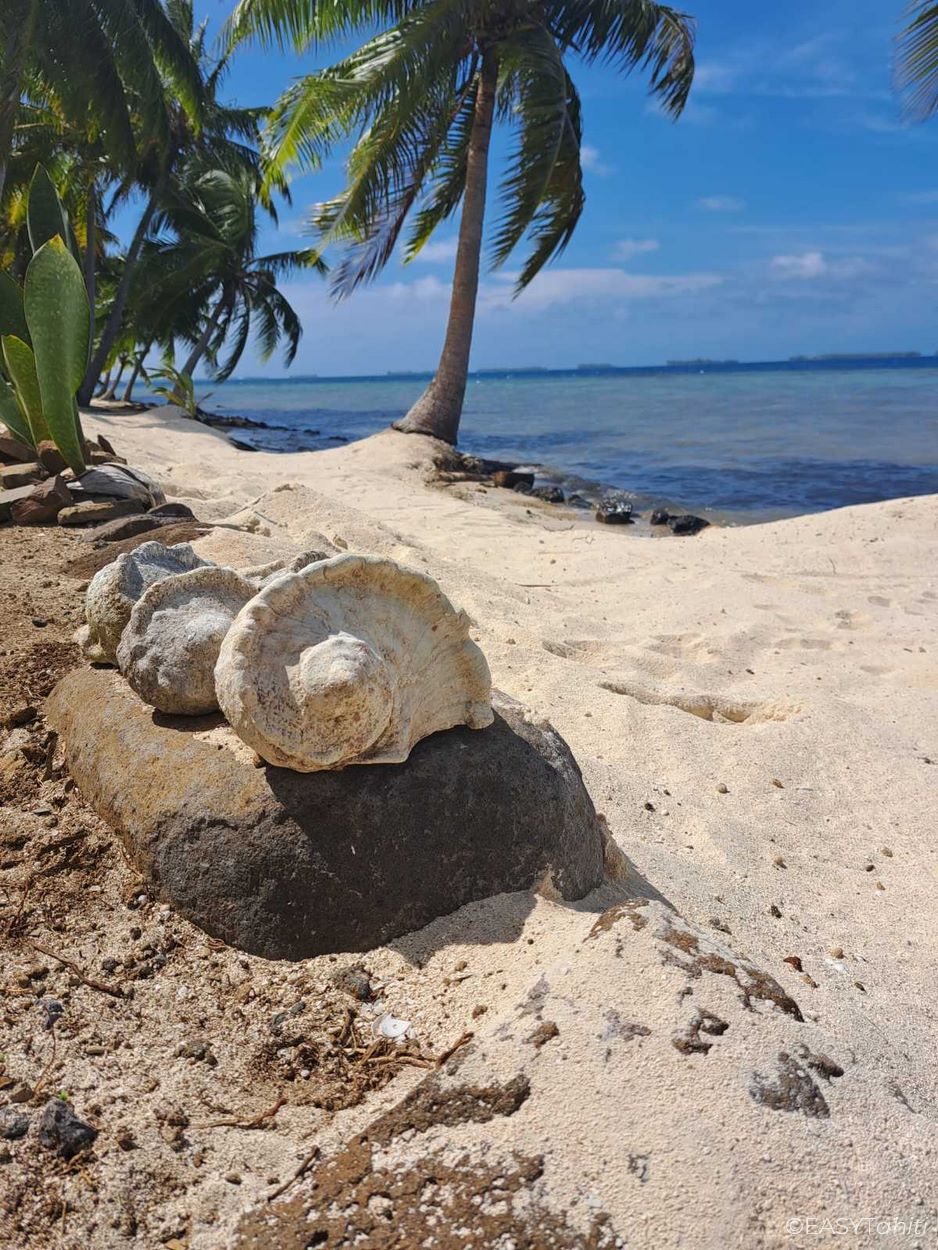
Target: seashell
x,y
351,661
262,574
170,644
116,588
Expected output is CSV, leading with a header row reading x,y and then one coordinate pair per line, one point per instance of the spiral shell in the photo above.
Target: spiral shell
x,y
171,642
350,661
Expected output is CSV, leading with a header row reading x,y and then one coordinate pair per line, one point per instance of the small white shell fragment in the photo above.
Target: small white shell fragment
x,y
389,1026
352,660
171,642
115,589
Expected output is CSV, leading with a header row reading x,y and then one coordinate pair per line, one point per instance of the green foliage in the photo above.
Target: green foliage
x,y
410,95
57,314
12,317
180,391
45,333
21,367
918,60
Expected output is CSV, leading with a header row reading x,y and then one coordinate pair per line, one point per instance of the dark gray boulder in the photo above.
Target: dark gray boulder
x,y
289,865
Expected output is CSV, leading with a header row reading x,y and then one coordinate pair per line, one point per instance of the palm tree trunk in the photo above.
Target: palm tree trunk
x,y
135,373
91,221
439,408
113,324
205,337
110,393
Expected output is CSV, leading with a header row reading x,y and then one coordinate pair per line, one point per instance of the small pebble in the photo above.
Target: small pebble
x,y
774,911
779,862
722,789
837,952
233,1178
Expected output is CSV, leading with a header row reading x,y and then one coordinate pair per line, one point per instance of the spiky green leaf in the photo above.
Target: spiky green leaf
x,y
21,367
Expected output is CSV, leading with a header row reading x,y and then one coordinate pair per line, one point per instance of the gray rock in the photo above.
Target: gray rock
x,y
61,1130
288,865
13,1124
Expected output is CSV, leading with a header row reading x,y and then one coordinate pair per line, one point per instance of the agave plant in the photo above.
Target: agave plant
x,y
45,332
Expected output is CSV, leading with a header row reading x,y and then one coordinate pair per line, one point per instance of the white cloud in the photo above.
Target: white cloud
x,y
556,287
590,160
625,249
721,203
802,266
437,250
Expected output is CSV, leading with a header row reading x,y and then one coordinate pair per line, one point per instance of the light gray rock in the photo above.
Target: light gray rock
x,y
116,588
170,645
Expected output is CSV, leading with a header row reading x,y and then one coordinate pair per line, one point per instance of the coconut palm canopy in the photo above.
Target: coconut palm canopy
x,y
421,96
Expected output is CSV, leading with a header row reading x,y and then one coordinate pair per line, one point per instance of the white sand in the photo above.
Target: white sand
x,y
754,710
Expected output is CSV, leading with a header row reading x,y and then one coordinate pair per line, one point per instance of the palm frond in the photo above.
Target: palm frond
x,y
917,69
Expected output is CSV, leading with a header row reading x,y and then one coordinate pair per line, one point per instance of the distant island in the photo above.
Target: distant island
x,y
860,356
698,360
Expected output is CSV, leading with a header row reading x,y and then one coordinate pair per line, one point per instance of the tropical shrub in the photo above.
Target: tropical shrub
x,y
45,332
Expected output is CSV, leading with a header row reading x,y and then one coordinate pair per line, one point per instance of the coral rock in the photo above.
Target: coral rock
x,y
117,587
170,645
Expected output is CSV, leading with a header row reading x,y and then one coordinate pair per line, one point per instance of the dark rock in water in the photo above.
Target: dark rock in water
x,y
614,511
43,504
288,865
13,1124
236,442
660,516
510,478
98,510
522,488
550,494
686,524
61,1130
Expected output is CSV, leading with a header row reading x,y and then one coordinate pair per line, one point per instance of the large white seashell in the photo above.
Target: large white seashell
x,y
116,588
170,644
350,661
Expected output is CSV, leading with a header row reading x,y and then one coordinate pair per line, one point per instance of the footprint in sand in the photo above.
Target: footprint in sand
x,y
715,708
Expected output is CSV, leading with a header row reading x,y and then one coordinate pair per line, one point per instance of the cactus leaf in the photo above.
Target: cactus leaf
x,y
58,317
12,317
21,366
12,415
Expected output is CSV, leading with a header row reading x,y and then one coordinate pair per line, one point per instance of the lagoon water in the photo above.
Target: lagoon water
x,y
738,444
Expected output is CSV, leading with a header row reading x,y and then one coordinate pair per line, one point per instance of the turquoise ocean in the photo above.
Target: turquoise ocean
x,y
736,443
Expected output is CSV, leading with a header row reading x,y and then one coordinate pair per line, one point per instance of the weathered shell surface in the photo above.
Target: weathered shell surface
x,y
260,575
116,588
351,661
170,645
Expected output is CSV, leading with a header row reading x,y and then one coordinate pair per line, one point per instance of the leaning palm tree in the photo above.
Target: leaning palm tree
x,y
918,60
211,287
422,96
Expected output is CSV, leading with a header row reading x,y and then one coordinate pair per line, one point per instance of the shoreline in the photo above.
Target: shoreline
x,y
754,714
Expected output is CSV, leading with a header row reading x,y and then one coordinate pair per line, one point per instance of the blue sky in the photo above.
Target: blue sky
x,y
789,211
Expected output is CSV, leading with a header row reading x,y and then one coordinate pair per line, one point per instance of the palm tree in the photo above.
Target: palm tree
x,y
918,60
423,96
91,55
224,135
210,285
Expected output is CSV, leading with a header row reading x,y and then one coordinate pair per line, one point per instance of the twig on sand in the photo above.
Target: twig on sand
x,y
114,990
256,1122
451,1050
282,1189
14,920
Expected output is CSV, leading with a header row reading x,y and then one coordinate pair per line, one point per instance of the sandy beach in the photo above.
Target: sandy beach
x,y
754,711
